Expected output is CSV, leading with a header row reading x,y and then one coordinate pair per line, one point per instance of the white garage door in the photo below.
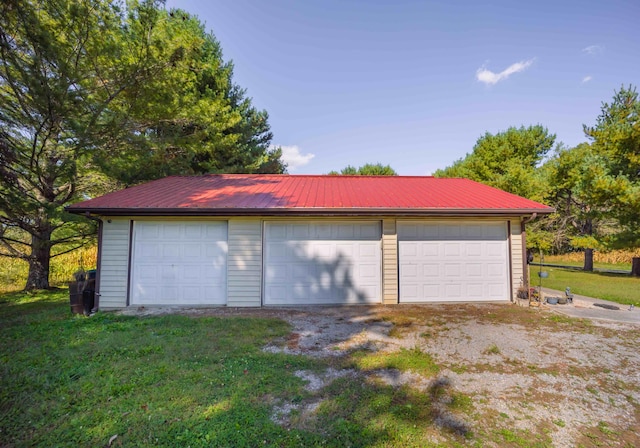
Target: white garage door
x,y
327,263
179,263
449,261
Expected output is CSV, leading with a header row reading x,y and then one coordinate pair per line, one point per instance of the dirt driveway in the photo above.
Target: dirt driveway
x,y
559,380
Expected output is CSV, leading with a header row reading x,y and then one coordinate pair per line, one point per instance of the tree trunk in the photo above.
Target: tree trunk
x,y
38,277
588,260
588,253
635,266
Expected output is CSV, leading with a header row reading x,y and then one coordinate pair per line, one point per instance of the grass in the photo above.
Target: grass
x,y
493,349
414,360
166,381
205,381
617,288
193,381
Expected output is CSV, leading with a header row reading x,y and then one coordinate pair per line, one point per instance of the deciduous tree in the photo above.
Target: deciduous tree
x,y
368,169
507,160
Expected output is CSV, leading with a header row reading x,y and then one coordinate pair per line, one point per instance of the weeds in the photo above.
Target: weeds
x,y
492,350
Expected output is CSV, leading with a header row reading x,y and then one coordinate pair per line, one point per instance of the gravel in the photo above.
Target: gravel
x,y
522,369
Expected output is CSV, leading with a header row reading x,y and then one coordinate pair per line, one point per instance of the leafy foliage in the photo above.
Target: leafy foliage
x,y
507,160
367,169
94,97
616,143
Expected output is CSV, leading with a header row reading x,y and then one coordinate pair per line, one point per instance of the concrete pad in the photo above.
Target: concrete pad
x,y
584,307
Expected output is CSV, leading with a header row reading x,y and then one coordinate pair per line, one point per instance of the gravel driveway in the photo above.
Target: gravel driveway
x,y
571,381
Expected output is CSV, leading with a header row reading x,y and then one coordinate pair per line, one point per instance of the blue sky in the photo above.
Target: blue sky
x,y
414,84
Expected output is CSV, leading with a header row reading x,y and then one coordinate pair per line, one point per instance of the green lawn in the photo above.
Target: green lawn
x,y
188,381
623,289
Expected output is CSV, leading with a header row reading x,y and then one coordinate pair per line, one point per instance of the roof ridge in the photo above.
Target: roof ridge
x,y
338,176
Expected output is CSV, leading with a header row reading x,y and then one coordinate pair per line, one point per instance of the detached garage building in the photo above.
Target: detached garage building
x,y
261,240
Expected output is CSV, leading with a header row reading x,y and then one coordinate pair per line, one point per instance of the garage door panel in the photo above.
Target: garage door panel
x,y
431,291
177,263
449,261
324,251
345,231
429,250
409,251
451,232
495,270
495,250
192,250
149,232
369,230
474,269
368,250
326,263
453,270
453,291
171,231
276,232
473,249
496,289
300,231
430,270
475,291
451,250
368,271
410,271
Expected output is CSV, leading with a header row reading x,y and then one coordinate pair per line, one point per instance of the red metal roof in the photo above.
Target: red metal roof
x,y
298,194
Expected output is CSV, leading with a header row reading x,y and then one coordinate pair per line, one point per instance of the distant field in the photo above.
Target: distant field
x,y
13,272
618,259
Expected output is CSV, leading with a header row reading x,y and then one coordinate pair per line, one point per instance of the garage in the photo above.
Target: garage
x,y
453,261
322,263
251,240
179,263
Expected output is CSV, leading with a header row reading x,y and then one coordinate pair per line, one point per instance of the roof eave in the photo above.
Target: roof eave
x,y
415,212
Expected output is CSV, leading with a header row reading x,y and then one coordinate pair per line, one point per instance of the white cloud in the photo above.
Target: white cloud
x,y
491,78
292,156
587,79
593,49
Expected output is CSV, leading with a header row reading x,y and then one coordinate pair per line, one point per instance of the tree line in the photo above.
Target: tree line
x,y
594,186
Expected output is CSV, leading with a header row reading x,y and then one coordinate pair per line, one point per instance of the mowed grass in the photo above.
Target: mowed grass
x,y
622,288
152,381
172,380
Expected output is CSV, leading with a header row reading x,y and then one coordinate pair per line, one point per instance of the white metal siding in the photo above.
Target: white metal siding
x,y
244,270
179,263
322,262
114,263
453,261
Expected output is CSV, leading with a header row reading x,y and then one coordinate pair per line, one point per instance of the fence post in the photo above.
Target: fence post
x,y
635,266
